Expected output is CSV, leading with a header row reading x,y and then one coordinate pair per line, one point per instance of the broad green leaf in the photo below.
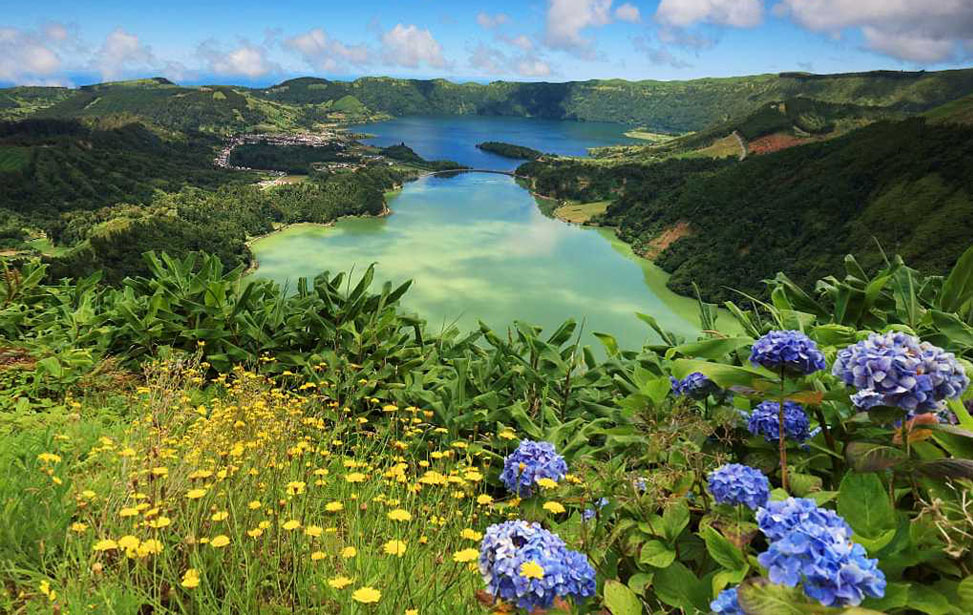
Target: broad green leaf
x,y
948,468
712,348
639,581
677,586
723,375
722,550
620,600
965,592
869,457
657,554
928,600
863,501
674,520
958,287
761,597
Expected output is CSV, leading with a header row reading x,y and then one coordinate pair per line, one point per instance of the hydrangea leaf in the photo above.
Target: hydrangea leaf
x,y
711,348
948,468
864,503
761,597
677,586
674,520
958,287
620,600
725,376
965,592
639,581
870,457
723,551
928,600
657,554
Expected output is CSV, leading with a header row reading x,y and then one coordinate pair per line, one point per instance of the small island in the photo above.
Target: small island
x,y
509,150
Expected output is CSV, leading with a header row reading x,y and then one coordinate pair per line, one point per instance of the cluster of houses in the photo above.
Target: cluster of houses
x,y
319,139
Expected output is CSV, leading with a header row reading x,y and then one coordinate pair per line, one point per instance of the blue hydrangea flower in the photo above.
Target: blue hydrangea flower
x,y
695,386
735,484
530,462
896,369
506,547
589,513
790,351
765,421
726,603
812,546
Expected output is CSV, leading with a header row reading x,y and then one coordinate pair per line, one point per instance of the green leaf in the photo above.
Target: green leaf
x,y
864,502
948,468
761,597
725,376
712,348
609,342
677,586
958,287
724,552
928,600
870,457
674,521
657,554
620,600
639,581
965,592
724,578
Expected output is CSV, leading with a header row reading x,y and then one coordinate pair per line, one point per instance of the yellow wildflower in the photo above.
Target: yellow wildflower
x,y
220,541
339,582
366,595
531,570
466,555
190,579
554,507
395,547
349,552
399,515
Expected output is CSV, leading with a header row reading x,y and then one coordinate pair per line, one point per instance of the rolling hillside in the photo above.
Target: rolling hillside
x,y
662,106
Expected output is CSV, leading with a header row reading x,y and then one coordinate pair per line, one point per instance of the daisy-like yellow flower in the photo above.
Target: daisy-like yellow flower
x,y
296,487
220,541
484,499
161,472
313,531
470,534
394,547
349,552
150,547
255,532
547,483
78,528
49,458
129,543
220,516
412,612
399,515
195,494
531,570
253,505
554,507
293,524
366,595
334,507
190,579
466,555
339,582
507,434
317,556
159,522
106,544
355,477
128,512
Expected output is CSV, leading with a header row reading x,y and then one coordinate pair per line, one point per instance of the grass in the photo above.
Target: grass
x,y
646,135
579,213
46,247
13,158
241,494
721,148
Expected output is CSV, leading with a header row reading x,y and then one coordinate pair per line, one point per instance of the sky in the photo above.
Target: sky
x,y
259,43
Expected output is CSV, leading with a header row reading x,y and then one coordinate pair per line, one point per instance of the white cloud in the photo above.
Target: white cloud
x,y
567,19
628,12
488,60
410,47
521,41
912,30
246,60
737,13
325,53
26,57
491,21
122,51
659,56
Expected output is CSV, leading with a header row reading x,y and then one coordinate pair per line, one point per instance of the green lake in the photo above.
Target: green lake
x,y
478,248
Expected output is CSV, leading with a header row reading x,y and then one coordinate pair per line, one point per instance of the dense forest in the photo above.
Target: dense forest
x,y
898,187
664,106
509,150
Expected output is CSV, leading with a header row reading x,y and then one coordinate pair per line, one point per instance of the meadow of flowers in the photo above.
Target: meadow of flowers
x,y
812,465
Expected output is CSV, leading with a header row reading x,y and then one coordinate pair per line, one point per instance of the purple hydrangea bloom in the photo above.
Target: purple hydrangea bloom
x,y
530,462
735,484
813,546
896,369
765,421
790,351
695,386
726,603
506,547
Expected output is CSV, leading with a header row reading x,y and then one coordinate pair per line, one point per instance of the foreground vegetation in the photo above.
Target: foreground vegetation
x,y
189,444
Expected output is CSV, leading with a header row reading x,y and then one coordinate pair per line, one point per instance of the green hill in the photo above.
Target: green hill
x,y
954,112
906,185
661,106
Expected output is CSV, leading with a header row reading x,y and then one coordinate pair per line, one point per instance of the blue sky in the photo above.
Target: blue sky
x,y
246,42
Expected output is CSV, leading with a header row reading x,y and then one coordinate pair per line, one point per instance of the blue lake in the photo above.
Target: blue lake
x,y
455,137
